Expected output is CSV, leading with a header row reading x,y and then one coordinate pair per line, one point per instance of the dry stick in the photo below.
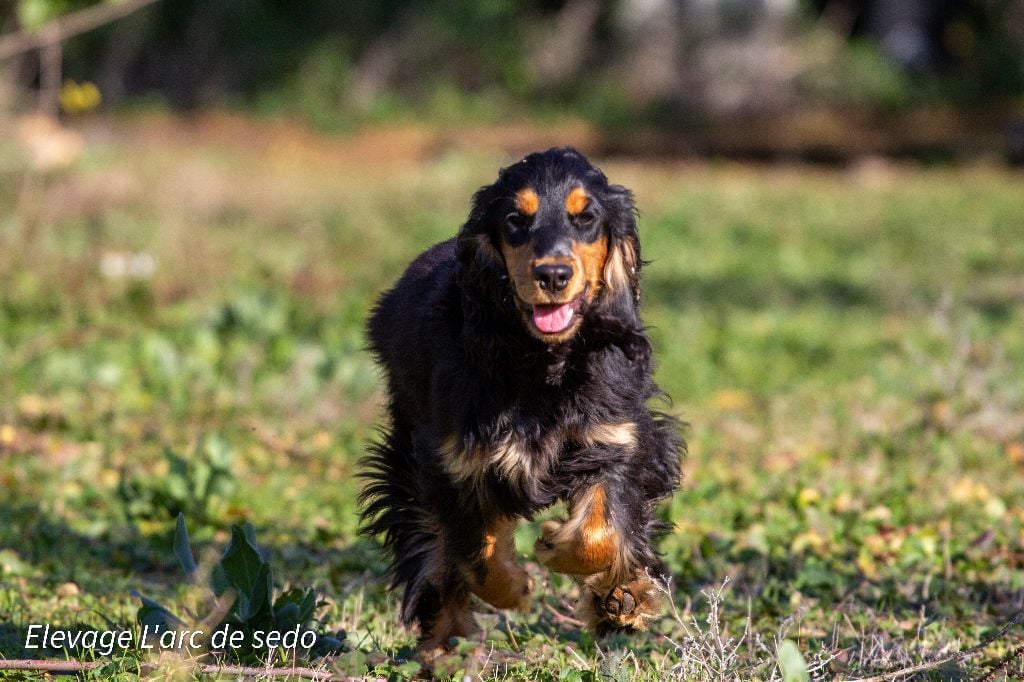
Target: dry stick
x,y
991,674
68,26
206,668
952,658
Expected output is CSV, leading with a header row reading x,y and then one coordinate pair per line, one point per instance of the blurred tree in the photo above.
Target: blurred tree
x,y
665,62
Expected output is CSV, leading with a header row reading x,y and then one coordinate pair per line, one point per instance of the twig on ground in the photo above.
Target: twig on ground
x,y
205,668
1005,661
561,617
951,658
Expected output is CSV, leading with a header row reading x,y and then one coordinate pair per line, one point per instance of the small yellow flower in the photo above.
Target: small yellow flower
x,y
808,496
79,98
7,434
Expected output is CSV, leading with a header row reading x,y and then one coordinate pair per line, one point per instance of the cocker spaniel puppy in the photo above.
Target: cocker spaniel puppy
x,y
518,375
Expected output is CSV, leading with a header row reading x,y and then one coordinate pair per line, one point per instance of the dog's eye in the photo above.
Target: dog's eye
x,y
585,219
517,221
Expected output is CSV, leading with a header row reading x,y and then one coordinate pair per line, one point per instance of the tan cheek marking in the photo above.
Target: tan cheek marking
x,y
576,201
593,257
518,262
527,201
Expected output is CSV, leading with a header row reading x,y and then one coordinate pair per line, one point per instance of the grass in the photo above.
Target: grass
x,y
845,345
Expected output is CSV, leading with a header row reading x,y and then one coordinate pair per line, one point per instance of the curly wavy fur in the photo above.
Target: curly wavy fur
x,y
519,374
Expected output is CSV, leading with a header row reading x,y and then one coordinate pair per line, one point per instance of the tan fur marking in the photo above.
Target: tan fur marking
x,y
519,262
623,434
527,201
505,584
592,258
620,267
510,459
462,465
585,543
577,201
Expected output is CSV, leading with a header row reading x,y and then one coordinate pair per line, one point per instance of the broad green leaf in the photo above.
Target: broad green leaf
x,y
247,573
794,668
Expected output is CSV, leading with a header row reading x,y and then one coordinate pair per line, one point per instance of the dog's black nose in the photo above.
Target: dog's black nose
x,y
553,276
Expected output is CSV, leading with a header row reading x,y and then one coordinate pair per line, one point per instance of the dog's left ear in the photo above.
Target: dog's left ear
x,y
622,266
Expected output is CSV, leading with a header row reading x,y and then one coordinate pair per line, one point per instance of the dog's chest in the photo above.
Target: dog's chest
x,y
523,461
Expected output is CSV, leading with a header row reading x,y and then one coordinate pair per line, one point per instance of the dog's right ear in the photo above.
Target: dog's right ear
x,y
476,249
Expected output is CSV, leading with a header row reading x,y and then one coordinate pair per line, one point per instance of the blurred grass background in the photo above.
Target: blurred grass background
x,y
181,307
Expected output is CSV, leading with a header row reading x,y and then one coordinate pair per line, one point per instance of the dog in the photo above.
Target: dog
x,y
518,374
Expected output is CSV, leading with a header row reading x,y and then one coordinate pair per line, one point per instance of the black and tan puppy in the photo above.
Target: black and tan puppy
x,y
518,374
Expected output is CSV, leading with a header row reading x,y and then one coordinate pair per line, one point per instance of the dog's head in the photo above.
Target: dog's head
x,y
562,237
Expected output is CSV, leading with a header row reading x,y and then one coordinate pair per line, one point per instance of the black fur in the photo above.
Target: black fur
x,y
458,359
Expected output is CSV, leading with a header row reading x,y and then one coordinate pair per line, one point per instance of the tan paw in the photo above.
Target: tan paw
x,y
630,605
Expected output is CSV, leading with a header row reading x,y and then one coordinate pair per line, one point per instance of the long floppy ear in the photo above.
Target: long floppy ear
x,y
478,258
622,266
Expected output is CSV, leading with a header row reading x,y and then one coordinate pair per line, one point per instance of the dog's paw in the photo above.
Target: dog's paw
x,y
606,605
546,548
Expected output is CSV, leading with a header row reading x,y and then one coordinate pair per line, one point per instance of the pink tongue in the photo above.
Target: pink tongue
x,y
552,319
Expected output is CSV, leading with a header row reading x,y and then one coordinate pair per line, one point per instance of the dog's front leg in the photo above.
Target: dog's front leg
x,y
605,543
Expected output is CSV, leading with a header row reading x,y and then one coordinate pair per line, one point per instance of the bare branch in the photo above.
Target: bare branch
x,y
68,26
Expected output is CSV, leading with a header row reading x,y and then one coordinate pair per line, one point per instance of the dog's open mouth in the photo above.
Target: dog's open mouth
x,y
555,319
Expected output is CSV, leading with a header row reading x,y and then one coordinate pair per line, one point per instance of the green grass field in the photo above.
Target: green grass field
x,y
181,329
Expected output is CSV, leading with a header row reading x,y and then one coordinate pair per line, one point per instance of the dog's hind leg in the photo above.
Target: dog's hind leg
x,y
395,506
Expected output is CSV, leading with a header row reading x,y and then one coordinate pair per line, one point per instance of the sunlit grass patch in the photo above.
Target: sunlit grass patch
x,y
845,346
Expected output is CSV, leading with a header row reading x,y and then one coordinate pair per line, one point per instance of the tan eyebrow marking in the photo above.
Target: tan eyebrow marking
x,y
576,201
527,201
